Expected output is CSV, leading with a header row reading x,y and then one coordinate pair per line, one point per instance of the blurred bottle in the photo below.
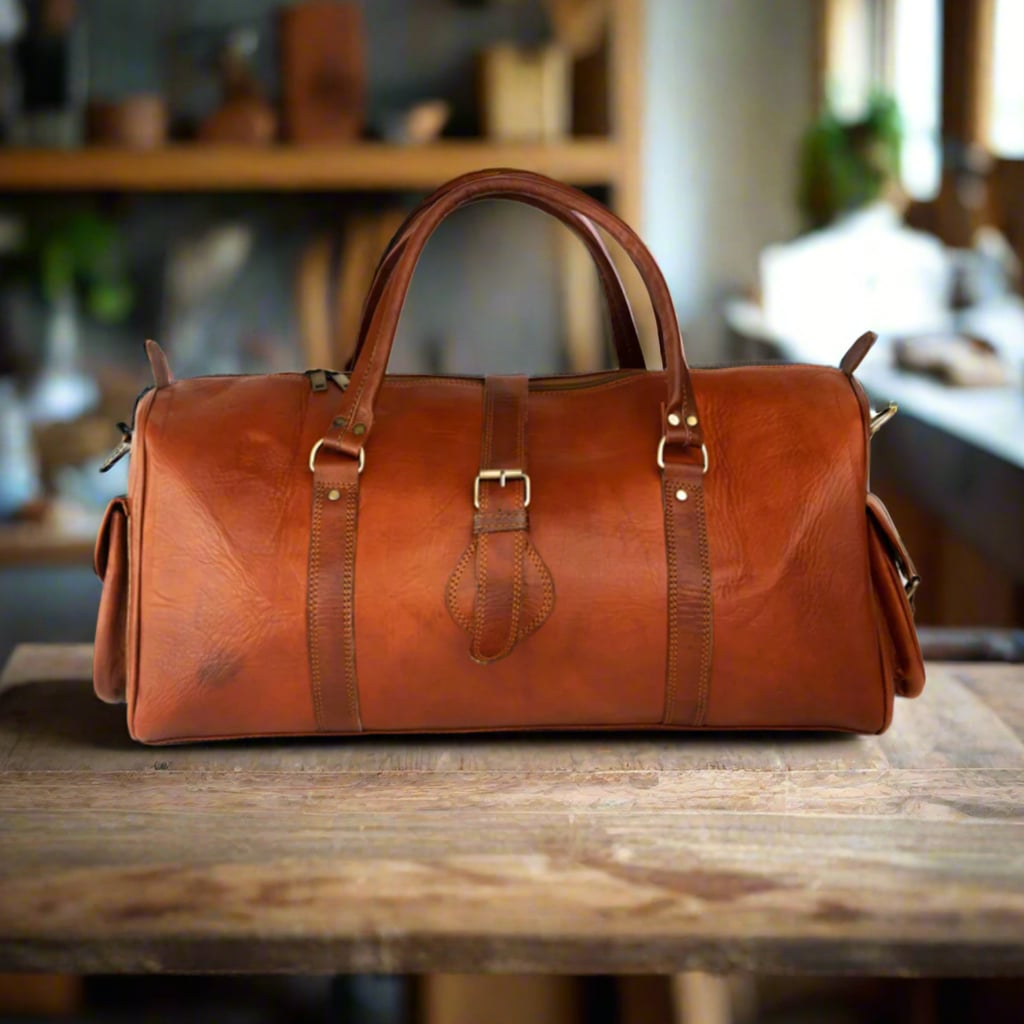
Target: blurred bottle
x,y
51,59
19,469
62,391
12,24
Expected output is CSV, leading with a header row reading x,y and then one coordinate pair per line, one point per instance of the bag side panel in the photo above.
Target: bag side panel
x,y
221,612
795,641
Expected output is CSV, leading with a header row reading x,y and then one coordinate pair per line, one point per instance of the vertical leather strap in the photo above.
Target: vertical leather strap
x,y
501,521
331,599
501,591
688,674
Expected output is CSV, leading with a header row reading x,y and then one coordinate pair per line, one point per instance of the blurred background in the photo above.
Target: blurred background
x,y
223,175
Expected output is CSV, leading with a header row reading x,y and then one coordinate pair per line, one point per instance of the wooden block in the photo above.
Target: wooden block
x,y
323,71
507,999
525,94
39,995
580,300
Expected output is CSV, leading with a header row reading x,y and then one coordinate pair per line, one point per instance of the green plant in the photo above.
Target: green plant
x,y
845,165
81,252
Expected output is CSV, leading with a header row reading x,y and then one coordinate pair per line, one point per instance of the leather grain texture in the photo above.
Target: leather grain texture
x,y
263,598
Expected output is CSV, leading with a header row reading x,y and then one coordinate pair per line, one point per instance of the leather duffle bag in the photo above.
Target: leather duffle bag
x,y
336,553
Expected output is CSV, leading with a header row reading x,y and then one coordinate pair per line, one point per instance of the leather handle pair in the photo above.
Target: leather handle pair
x,y
623,325
681,426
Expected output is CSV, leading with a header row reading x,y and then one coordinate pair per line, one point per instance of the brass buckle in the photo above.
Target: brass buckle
x,y
317,447
502,476
880,419
661,455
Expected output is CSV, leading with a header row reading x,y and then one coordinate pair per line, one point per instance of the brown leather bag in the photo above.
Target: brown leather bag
x,y
304,553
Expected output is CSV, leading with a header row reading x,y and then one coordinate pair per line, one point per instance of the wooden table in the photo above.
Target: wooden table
x,y
902,854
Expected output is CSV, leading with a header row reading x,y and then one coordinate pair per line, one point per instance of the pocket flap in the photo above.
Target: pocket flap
x,y
895,579
897,549
110,560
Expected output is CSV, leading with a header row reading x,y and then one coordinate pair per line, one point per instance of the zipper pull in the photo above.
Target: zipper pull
x,y
123,447
317,379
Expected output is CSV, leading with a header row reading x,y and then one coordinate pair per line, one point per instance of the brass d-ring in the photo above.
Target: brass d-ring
x,y
661,455
319,445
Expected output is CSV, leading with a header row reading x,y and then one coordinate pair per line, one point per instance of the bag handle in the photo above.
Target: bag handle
x,y
351,429
625,338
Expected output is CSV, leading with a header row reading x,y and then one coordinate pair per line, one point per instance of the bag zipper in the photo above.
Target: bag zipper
x,y
124,446
318,379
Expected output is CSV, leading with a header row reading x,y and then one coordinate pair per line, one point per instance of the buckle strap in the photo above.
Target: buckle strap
x,y
509,592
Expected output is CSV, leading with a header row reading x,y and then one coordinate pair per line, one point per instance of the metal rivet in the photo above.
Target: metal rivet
x,y
333,495
359,428
681,495
691,421
673,419
339,421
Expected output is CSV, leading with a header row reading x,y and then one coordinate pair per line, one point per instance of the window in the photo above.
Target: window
x,y
1006,114
916,84
893,46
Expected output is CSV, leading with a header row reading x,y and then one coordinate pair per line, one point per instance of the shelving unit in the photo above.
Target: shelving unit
x,y
612,161
369,166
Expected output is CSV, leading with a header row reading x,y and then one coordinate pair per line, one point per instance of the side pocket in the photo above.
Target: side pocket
x,y
110,560
895,578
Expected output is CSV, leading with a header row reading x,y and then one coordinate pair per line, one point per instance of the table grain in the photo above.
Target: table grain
x,y
890,855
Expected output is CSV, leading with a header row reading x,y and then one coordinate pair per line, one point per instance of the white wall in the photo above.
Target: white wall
x,y
728,94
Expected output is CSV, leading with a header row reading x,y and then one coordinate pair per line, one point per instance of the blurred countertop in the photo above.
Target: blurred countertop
x,y
991,419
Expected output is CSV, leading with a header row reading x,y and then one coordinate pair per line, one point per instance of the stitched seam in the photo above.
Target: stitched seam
x,y
707,621
313,605
348,602
480,598
673,601
139,497
514,514
517,594
554,392
548,602
480,602
520,543
492,522
351,416
466,622
519,549
431,381
592,388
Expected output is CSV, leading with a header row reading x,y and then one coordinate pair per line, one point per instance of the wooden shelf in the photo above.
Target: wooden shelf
x,y
366,166
24,544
